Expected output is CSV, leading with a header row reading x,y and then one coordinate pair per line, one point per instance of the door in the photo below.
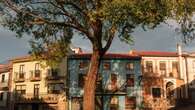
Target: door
x,y
35,107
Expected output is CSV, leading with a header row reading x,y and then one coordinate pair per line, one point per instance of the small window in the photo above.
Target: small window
x,y
99,83
55,88
21,89
162,68
149,66
83,65
3,78
175,69
81,80
156,92
106,65
21,70
129,66
130,103
1,96
130,80
112,86
37,66
114,102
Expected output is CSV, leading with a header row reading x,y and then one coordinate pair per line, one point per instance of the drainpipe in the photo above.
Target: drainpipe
x,y
187,74
181,70
179,52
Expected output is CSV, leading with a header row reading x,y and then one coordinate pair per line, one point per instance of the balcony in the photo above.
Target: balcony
x,y
40,98
53,76
35,75
19,77
4,85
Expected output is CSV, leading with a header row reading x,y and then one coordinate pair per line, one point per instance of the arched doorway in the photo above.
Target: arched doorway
x,y
170,93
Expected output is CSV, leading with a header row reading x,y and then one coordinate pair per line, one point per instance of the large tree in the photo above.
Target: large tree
x,y
52,23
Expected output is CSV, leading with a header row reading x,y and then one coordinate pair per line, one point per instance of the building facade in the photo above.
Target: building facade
x,y
36,86
190,65
164,77
118,85
4,86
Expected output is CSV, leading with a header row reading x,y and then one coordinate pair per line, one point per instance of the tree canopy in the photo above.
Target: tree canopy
x,y
52,23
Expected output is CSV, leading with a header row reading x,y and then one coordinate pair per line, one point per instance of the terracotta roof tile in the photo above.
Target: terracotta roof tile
x,y
108,55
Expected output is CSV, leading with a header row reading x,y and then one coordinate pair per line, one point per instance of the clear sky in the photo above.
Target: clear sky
x,y
162,38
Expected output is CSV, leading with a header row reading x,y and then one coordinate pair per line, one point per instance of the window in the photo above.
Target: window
x,y
113,82
83,65
175,69
1,96
106,65
114,103
81,80
149,66
130,80
53,72
156,92
162,68
3,78
129,66
130,103
21,89
55,88
99,83
37,70
37,66
36,90
21,70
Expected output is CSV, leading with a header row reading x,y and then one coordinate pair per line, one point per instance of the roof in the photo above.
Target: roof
x,y
21,58
156,53
5,67
107,56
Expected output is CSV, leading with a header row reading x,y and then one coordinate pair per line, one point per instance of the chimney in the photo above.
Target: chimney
x,y
77,50
179,51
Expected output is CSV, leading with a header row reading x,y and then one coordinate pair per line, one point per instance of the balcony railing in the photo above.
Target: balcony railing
x,y
54,76
39,98
35,75
19,77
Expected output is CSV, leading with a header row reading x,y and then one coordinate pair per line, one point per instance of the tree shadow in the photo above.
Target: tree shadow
x,y
22,101
172,95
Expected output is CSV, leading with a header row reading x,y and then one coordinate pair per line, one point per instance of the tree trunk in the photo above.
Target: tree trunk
x,y
90,82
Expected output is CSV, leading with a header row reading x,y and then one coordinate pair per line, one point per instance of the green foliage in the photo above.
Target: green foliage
x,y
53,22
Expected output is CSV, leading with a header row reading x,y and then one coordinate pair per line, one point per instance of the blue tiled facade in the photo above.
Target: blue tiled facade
x,y
114,90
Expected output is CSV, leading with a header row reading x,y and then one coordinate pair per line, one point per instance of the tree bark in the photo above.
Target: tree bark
x,y
90,81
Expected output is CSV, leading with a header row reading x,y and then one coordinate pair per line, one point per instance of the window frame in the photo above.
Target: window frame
x,y
130,66
149,68
156,94
106,65
3,78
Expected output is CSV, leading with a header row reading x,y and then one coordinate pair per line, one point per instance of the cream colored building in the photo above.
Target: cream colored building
x,y
4,86
190,64
164,75
36,86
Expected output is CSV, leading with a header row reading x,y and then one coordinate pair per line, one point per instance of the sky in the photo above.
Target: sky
x,y
162,38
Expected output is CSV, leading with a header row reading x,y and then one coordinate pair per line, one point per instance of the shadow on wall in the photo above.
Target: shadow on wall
x,y
161,94
21,101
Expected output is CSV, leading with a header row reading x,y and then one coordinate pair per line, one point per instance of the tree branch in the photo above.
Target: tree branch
x,y
110,39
